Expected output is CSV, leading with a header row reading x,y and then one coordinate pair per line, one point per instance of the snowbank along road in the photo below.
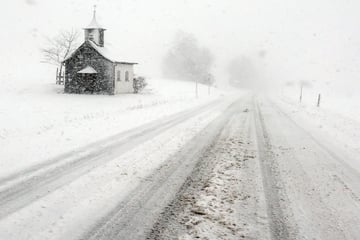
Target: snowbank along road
x,y
231,169
22,188
311,192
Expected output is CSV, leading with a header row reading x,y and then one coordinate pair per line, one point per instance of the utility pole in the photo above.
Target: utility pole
x,y
301,92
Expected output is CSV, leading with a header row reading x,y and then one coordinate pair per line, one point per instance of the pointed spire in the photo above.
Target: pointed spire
x,y
94,24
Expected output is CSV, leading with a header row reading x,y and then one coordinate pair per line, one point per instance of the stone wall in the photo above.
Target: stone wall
x,y
84,56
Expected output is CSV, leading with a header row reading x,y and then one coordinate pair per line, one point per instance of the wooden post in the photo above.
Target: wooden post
x,y
209,84
63,77
301,91
319,98
57,75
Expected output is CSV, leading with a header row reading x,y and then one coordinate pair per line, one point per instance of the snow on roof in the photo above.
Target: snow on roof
x,y
105,52
109,54
87,69
94,24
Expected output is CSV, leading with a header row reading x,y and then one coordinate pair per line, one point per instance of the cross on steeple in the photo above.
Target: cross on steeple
x,y
94,11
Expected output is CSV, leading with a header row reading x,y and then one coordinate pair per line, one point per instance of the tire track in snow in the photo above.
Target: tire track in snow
x,y
24,187
281,225
339,175
351,172
334,156
311,209
134,217
223,198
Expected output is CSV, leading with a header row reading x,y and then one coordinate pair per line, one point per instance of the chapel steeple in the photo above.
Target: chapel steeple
x,y
94,31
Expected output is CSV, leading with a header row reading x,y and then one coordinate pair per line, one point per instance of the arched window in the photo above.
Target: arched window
x,y
126,76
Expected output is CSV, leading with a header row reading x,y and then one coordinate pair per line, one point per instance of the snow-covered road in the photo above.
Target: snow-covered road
x,y
135,216
224,196
284,184
235,168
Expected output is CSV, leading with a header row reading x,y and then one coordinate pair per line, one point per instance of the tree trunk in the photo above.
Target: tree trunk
x,y
57,76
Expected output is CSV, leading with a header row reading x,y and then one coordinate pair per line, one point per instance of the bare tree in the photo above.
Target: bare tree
x,y
59,47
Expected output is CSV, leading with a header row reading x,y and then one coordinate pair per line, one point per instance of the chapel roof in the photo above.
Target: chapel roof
x,y
109,54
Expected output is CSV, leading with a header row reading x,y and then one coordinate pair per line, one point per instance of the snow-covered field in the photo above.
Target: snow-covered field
x,y
39,122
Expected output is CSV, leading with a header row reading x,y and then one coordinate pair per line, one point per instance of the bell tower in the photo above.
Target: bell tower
x,y
94,32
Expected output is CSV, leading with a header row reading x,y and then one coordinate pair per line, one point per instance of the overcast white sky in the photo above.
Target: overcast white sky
x,y
314,40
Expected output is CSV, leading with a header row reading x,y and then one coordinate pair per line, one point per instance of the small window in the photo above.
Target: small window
x,y
118,76
126,76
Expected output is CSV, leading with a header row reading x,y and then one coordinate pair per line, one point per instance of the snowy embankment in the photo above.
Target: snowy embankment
x,y
40,122
336,122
